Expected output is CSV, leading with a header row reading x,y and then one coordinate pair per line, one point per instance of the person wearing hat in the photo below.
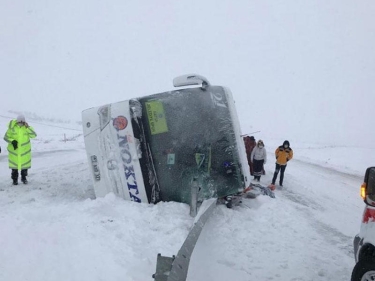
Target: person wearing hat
x,y
18,137
258,158
250,143
283,153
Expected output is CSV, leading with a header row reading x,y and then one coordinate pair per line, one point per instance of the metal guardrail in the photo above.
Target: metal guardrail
x,y
176,268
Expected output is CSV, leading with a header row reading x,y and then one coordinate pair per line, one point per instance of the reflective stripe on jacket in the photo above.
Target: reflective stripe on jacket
x,y
19,158
283,155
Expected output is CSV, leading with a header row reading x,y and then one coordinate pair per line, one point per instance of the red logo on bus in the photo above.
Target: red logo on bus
x,y
120,123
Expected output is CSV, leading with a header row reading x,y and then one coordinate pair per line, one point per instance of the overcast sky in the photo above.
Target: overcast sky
x,y
299,70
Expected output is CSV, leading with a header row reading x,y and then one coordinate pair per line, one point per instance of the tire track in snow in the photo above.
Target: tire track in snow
x,y
330,234
306,197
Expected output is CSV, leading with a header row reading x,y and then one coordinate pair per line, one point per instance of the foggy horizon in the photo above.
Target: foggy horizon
x,y
297,70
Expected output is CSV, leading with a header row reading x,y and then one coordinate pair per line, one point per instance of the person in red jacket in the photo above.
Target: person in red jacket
x,y
250,143
283,153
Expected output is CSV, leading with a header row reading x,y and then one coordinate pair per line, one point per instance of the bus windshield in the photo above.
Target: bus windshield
x,y
190,135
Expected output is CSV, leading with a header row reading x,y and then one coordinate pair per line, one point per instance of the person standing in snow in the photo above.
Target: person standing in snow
x,y
283,154
250,143
18,137
258,158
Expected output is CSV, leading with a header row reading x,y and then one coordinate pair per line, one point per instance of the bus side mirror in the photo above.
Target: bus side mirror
x,y
190,80
368,187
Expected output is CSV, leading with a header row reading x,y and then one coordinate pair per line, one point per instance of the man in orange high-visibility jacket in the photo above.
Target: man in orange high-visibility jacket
x,y
283,154
18,138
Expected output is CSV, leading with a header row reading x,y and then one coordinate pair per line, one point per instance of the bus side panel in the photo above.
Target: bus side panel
x,y
112,142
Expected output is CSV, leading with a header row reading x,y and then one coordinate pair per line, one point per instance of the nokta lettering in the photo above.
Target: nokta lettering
x,y
129,174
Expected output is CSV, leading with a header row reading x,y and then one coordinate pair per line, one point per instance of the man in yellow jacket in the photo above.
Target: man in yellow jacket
x,y
283,154
18,138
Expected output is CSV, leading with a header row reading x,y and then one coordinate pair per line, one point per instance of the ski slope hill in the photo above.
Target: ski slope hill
x,y
54,229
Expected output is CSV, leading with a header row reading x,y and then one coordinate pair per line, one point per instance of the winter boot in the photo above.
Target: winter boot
x,y
23,176
14,176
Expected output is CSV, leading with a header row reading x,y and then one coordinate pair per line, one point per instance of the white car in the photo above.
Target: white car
x,y
364,242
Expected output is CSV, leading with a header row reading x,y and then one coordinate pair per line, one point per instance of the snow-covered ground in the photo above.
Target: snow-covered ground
x,y
54,229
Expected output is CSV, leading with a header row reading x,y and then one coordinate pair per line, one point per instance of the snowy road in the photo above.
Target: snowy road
x,y
306,233
50,230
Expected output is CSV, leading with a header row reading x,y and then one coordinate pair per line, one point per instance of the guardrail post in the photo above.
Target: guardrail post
x,y
194,198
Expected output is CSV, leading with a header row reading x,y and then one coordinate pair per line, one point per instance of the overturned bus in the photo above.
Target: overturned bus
x,y
154,148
